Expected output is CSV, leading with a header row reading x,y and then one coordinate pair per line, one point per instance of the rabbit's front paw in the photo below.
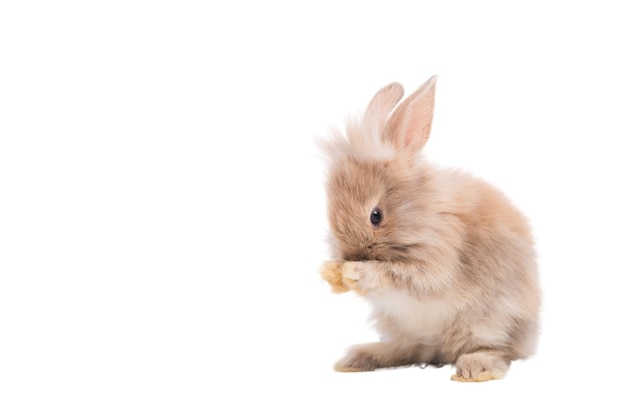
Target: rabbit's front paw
x,y
332,272
360,276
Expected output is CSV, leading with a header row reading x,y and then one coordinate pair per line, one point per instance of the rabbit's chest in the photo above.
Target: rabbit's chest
x,y
426,320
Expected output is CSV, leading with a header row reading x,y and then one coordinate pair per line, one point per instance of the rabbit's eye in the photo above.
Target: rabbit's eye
x,y
376,217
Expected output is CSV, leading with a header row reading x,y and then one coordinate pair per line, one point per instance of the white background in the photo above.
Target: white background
x,y
162,212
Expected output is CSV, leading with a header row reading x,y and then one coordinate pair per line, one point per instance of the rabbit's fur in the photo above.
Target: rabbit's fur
x,y
450,270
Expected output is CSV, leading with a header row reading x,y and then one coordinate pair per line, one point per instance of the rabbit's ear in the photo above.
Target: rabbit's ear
x,y
379,108
408,128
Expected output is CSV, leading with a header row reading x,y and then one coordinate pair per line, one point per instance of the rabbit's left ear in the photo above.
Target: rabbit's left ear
x,y
408,128
380,107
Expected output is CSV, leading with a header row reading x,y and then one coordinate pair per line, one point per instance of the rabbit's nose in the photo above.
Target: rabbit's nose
x,y
358,254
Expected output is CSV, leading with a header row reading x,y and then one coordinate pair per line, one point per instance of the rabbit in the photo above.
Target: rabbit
x,y
446,261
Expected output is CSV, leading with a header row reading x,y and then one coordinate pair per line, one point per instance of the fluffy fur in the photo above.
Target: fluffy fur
x,y
450,271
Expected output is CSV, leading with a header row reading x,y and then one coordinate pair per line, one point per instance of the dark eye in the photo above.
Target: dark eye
x,y
376,217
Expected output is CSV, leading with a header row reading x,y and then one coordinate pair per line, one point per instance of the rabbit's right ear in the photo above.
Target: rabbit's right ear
x,y
408,128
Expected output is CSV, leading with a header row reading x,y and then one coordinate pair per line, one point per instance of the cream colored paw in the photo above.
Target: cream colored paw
x,y
352,276
331,271
480,367
480,377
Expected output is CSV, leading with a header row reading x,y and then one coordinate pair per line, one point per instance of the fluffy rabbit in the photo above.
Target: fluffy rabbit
x,y
446,261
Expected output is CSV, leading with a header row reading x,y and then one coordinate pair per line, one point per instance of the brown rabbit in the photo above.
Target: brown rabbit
x,y
445,259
